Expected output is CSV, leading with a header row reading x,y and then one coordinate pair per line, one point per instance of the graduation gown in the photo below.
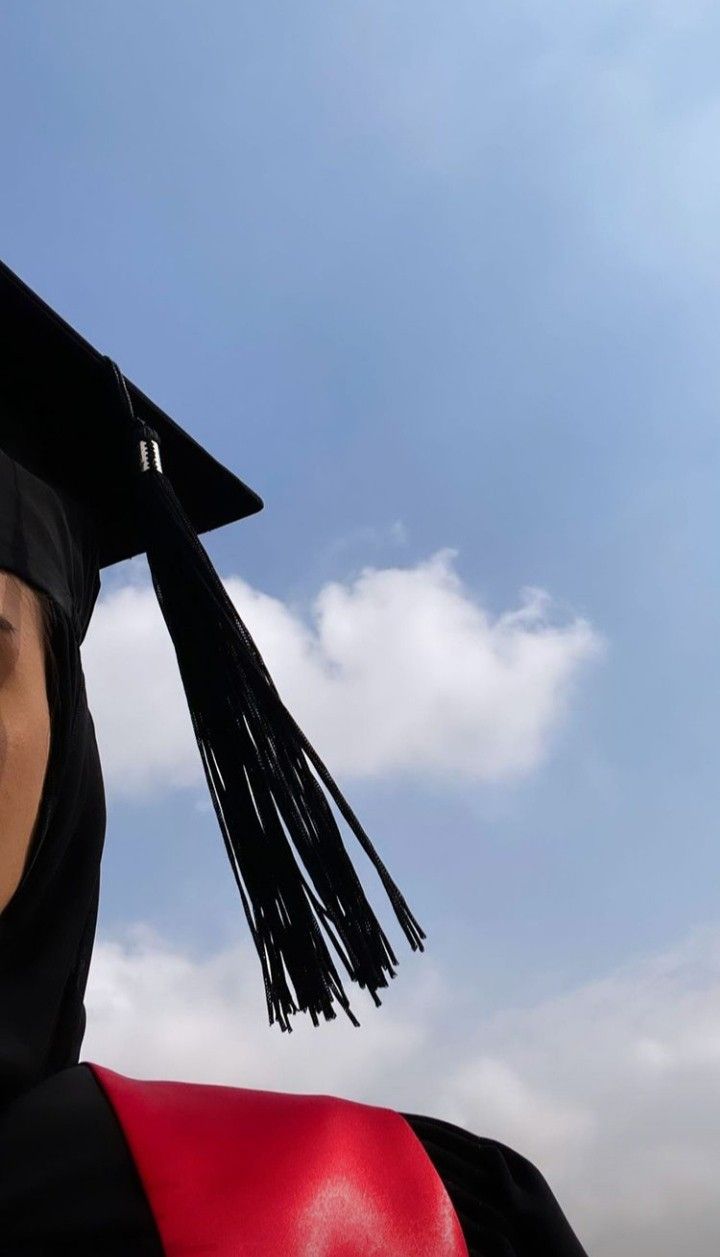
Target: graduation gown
x,y
93,1163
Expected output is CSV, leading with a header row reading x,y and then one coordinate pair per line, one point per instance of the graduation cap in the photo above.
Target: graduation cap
x,y
69,415
61,420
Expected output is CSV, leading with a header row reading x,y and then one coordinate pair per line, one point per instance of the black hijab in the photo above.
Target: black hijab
x,y
48,927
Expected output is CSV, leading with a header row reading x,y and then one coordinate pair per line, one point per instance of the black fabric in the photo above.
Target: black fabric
x,y
505,1206
57,419
47,929
68,1183
48,539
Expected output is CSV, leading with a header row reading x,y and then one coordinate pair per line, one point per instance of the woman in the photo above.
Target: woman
x,y
92,1162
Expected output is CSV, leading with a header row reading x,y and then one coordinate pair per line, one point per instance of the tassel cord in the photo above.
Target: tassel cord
x,y
265,779
407,921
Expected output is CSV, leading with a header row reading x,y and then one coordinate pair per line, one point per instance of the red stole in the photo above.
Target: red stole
x,y
230,1172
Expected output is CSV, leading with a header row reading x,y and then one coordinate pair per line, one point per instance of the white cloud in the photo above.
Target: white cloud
x,y
612,1089
157,1012
400,671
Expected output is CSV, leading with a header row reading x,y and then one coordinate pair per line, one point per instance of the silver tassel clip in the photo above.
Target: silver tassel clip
x,y
149,455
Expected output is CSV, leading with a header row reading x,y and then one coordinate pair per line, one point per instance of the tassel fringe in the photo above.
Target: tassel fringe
x,y
265,782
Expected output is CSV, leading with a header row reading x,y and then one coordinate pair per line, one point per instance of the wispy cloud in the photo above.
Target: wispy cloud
x,y
400,671
367,537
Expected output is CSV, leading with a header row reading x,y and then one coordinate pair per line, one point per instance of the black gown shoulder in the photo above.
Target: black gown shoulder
x,y
505,1206
68,1184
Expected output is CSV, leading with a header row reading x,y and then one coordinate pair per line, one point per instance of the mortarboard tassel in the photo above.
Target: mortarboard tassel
x,y
257,763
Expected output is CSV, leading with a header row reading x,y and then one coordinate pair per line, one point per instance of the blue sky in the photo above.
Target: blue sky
x,y
427,276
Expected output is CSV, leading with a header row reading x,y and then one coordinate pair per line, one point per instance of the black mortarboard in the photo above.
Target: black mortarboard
x,y
69,416
56,421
